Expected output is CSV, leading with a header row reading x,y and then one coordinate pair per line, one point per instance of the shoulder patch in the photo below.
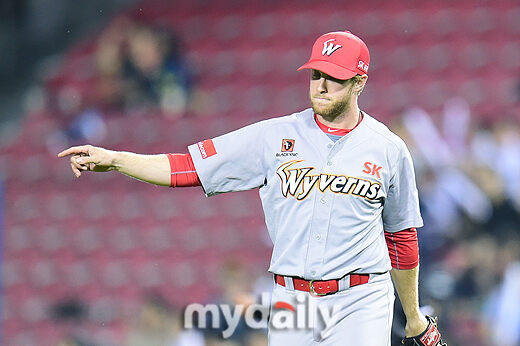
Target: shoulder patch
x,y
206,148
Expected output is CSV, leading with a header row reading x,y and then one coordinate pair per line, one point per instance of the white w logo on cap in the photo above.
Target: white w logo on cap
x,y
329,48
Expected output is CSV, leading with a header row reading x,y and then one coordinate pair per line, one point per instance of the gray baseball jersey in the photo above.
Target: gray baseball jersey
x,y
326,203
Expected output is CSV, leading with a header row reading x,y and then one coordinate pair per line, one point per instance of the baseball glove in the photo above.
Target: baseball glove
x,y
430,337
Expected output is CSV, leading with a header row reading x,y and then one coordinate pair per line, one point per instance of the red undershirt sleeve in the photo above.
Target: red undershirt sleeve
x,y
403,248
183,173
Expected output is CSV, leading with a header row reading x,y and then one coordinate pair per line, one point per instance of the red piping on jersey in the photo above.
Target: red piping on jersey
x,y
336,131
403,248
183,171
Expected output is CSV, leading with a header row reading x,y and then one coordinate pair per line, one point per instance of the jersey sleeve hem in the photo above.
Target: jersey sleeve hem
x,y
414,223
195,155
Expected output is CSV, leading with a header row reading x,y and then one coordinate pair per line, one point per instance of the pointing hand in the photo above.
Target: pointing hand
x,y
89,158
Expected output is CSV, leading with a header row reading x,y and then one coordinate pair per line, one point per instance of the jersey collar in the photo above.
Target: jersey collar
x,y
335,131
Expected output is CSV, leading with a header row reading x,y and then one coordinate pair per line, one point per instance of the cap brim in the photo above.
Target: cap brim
x,y
329,68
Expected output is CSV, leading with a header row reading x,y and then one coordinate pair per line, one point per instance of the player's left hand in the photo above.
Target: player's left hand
x,y
428,336
415,326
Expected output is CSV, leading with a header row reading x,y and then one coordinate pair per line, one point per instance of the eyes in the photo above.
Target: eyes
x,y
316,75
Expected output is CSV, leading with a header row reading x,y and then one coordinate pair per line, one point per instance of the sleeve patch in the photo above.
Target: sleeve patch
x,y
206,148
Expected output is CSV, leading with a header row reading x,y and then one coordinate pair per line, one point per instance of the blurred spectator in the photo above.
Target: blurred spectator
x,y
137,69
235,283
257,338
501,310
109,57
154,71
69,309
159,324
74,341
507,162
468,178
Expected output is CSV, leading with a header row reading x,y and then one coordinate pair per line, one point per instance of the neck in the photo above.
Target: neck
x,y
346,120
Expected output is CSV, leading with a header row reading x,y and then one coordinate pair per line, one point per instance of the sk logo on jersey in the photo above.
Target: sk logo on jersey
x,y
298,182
329,48
372,168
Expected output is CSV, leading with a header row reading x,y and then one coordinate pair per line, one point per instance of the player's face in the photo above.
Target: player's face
x,y
330,97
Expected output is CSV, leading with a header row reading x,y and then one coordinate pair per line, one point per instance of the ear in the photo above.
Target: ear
x,y
360,83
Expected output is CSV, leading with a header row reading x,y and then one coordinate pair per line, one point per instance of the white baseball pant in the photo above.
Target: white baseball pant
x,y
362,316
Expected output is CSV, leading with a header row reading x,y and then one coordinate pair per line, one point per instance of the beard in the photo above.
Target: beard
x,y
332,109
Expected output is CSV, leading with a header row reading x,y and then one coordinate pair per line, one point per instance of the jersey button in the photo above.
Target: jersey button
x,y
329,163
329,146
313,273
323,201
318,237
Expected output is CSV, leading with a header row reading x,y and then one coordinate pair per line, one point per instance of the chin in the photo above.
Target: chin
x,y
328,109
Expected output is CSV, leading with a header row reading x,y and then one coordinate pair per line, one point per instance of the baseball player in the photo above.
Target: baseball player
x,y
339,197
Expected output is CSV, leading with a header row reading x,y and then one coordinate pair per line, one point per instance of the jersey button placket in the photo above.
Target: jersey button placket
x,y
319,225
325,212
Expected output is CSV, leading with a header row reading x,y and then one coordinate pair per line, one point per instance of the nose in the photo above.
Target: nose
x,y
322,86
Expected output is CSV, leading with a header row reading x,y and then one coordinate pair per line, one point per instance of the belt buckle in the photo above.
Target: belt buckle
x,y
313,292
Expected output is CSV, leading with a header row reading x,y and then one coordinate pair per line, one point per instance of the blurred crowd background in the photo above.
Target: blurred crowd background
x,y
106,260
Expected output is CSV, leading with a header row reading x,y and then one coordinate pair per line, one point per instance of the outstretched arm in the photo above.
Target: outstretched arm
x,y
154,169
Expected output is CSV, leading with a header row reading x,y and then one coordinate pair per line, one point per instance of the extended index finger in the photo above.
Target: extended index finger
x,y
82,149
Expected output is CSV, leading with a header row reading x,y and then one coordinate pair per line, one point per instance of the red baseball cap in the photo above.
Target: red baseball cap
x,y
339,54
